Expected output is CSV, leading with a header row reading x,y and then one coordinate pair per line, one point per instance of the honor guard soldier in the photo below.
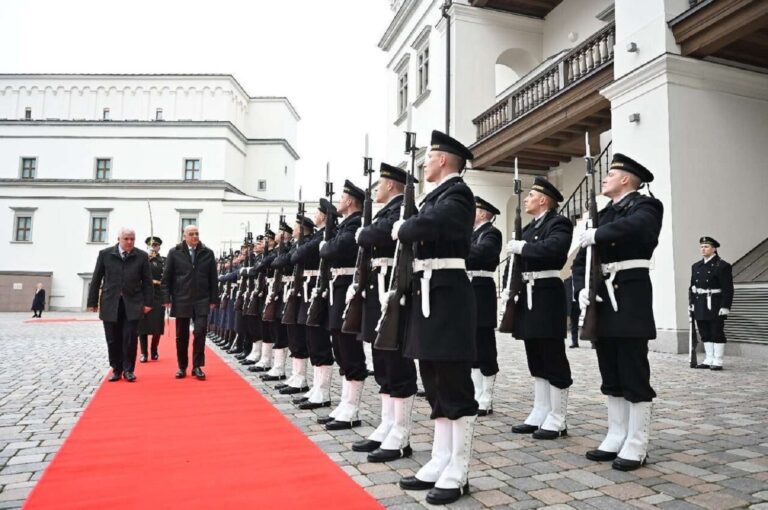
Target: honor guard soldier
x,y
318,338
341,253
709,299
442,323
626,235
395,374
251,315
277,329
482,262
153,323
260,274
540,315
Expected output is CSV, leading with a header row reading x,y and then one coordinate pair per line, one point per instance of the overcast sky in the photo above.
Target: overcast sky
x,y
322,55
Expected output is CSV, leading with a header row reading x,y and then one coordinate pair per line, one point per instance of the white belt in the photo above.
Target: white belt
x,y
530,278
336,272
480,274
429,265
384,263
708,293
286,279
309,273
612,268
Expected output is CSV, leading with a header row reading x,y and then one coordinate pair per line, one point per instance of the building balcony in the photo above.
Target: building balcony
x,y
535,8
542,120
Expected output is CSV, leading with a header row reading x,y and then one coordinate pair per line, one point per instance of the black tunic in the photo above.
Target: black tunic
x,y
153,323
308,253
341,252
715,274
484,256
38,302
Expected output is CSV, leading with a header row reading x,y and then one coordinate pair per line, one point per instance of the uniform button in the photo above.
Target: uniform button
x,y
418,292
613,244
371,286
615,285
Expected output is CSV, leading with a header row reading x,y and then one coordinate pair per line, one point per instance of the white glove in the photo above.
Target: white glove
x,y
396,228
690,308
357,235
515,247
724,311
584,298
243,270
505,295
322,243
587,237
350,293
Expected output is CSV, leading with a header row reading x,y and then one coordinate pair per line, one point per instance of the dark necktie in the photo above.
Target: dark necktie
x,y
125,255
192,255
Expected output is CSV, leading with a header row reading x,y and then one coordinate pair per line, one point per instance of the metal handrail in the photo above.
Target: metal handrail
x,y
576,204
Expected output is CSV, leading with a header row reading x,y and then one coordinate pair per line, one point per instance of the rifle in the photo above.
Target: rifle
x,y
261,286
514,271
253,299
388,328
593,275
228,288
275,292
244,277
291,310
693,341
318,307
353,313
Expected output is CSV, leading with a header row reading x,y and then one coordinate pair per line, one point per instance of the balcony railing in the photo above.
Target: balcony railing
x,y
576,204
594,53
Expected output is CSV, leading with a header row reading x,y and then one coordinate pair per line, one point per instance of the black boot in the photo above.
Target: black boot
x,y
143,345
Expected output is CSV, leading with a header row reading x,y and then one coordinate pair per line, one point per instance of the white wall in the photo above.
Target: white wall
x,y
575,17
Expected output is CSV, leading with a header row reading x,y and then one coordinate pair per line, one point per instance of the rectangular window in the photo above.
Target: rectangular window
x,y
262,185
98,228
159,114
191,169
28,168
424,70
402,92
23,229
27,113
185,222
105,114
103,169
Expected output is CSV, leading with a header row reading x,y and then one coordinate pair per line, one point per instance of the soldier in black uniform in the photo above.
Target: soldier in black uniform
x,y
253,324
442,318
395,375
709,299
318,338
540,316
278,330
341,253
626,235
482,262
153,323
261,273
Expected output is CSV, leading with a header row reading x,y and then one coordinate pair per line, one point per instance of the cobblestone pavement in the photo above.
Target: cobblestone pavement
x,y
709,440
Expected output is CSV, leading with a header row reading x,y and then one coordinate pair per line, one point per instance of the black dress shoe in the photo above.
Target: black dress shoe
x,y
259,369
316,405
549,434
380,455
247,362
154,356
524,429
411,483
342,425
484,412
366,445
280,386
321,420
128,376
115,376
197,372
300,400
143,358
292,390
716,367
702,365
241,356
573,346
181,374
437,496
269,378
628,465
601,455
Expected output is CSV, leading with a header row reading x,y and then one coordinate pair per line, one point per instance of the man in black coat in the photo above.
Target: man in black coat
x,y
395,374
190,281
540,316
626,235
442,318
482,262
38,301
341,253
123,278
709,300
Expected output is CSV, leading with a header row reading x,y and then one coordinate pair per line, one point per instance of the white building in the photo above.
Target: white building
x,y
83,155
679,85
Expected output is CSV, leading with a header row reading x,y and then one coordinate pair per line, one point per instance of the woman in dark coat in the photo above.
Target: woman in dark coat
x,y
153,323
38,302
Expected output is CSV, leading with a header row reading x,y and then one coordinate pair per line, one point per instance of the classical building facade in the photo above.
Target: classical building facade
x,y
680,85
83,155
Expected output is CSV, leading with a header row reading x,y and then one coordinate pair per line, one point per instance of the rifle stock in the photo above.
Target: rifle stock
x,y
291,308
514,274
318,307
693,341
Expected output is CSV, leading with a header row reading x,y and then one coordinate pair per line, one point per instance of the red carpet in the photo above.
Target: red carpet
x,y
162,443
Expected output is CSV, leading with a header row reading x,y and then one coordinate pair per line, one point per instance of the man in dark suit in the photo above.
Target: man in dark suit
x,y
709,299
442,318
123,276
482,262
626,235
540,319
190,280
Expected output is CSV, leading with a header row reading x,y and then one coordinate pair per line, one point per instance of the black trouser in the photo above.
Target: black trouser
x,y
198,342
712,331
624,368
575,314
143,340
297,341
37,313
395,375
350,356
449,388
319,344
547,359
121,341
279,334
486,359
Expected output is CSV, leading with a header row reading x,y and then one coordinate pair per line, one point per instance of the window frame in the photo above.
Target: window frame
x,y
98,213
96,169
259,187
27,113
159,114
187,214
23,213
22,159
199,169
106,114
